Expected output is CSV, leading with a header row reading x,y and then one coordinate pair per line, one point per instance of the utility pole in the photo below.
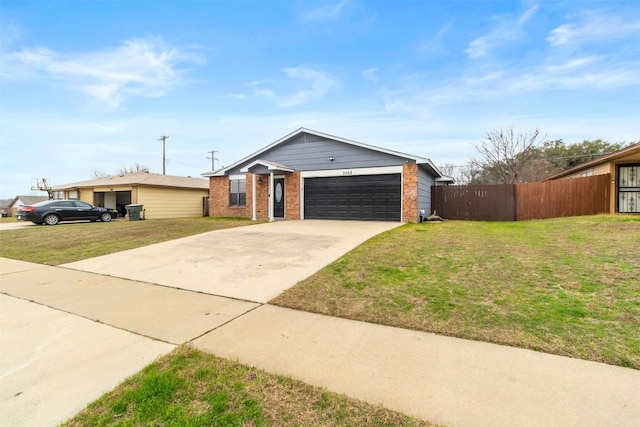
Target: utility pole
x,y
213,159
163,138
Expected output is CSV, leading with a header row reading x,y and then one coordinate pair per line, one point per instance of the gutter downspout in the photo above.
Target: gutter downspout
x,y
271,218
253,197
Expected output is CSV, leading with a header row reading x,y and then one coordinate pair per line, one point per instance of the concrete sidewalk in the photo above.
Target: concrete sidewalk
x,y
53,363
166,314
441,379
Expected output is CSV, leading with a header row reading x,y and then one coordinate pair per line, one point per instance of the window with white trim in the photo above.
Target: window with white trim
x,y
73,195
588,172
237,192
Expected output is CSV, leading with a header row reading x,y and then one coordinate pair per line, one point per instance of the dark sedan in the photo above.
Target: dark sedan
x,y
52,212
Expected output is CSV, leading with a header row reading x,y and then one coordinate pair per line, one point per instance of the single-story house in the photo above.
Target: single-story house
x,y
20,201
5,210
624,167
312,175
163,196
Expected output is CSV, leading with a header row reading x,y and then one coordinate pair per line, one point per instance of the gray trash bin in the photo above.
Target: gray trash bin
x,y
134,212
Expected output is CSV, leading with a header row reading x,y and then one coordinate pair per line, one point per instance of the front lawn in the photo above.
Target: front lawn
x,y
68,242
192,388
568,286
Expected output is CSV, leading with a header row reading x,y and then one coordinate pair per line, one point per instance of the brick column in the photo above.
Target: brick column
x,y
292,195
410,193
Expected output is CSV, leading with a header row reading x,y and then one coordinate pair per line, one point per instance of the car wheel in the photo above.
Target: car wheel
x,y
105,217
51,219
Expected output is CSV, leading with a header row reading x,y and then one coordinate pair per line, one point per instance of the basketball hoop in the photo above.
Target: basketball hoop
x,y
41,184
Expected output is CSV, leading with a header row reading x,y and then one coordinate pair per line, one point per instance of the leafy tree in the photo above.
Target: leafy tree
x,y
564,156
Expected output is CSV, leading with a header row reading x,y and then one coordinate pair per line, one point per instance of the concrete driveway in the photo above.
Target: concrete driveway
x,y
253,263
14,225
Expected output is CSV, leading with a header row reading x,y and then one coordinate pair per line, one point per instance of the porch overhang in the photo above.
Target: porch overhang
x,y
265,164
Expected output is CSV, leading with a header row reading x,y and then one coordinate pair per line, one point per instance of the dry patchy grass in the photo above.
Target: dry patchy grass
x,y
70,242
189,387
567,286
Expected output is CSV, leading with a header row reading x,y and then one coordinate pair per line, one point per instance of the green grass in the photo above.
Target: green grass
x,y
568,286
191,388
68,242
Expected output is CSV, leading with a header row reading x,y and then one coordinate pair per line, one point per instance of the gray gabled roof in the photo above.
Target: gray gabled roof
x,y
139,178
255,156
28,200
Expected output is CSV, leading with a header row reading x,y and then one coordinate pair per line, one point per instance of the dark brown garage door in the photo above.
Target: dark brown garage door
x,y
363,197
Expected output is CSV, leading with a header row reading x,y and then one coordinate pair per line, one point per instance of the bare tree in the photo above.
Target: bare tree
x,y
462,174
506,155
135,168
449,169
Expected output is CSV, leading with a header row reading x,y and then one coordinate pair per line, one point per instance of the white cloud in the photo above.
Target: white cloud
x,y
142,67
435,44
527,15
573,64
492,76
370,74
503,86
265,92
325,13
593,26
508,29
317,83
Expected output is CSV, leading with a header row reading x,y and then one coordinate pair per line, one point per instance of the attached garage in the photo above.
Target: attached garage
x,y
364,197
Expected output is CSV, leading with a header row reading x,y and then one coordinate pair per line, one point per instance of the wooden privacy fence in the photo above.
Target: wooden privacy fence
x,y
475,202
534,200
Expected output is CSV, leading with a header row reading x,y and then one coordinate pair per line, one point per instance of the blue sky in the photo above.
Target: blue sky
x,y
92,85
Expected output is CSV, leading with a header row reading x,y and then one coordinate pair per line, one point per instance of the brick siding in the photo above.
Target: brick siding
x,y
292,195
410,193
219,198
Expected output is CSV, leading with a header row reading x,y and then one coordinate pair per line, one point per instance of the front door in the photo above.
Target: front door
x,y
629,189
278,199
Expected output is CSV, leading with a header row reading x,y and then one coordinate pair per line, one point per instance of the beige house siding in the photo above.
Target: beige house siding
x,y
608,167
170,202
86,195
600,169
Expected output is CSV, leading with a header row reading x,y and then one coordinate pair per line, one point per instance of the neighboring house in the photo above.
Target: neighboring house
x,y
624,167
163,196
5,210
20,201
312,175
